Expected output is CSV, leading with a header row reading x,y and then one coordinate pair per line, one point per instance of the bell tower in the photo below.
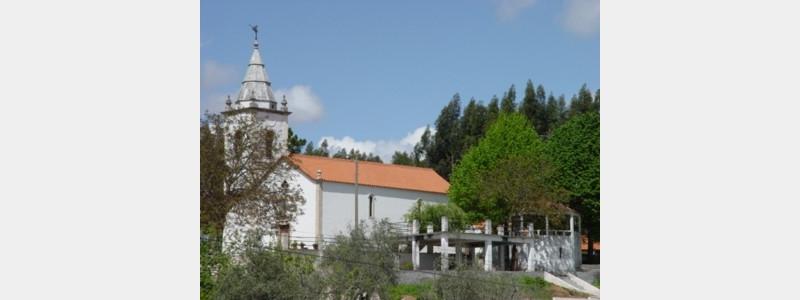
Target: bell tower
x,y
256,97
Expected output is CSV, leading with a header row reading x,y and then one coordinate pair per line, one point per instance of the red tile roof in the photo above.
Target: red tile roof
x,y
371,173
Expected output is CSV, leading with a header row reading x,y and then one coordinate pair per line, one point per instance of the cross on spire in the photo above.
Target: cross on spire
x,y
255,30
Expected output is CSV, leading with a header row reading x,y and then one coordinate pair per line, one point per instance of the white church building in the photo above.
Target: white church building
x,y
336,191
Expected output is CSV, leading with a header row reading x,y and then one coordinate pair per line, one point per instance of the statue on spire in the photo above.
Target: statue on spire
x,y
255,30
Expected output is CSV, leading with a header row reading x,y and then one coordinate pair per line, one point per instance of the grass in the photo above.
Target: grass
x,y
596,281
409,289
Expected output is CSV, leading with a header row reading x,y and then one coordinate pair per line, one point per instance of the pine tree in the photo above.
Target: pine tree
x,y
295,143
323,149
402,158
492,111
596,106
309,149
422,149
447,141
542,120
472,123
342,153
508,105
529,106
553,115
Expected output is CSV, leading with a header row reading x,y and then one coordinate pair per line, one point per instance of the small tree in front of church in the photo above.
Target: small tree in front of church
x,y
240,173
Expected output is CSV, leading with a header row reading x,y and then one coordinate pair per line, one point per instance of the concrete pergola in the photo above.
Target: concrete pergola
x,y
525,238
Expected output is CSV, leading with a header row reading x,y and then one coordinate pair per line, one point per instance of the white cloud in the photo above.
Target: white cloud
x,y
216,74
509,9
383,148
582,16
303,103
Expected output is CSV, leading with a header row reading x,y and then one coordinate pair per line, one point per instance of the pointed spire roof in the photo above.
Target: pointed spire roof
x,y
256,84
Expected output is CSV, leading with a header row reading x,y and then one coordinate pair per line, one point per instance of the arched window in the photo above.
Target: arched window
x,y
269,140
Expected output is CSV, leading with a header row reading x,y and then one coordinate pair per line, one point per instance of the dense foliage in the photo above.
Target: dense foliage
x,y
574,149
511,135
266,274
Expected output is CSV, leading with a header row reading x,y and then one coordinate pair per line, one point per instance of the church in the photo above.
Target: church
x,y
337,192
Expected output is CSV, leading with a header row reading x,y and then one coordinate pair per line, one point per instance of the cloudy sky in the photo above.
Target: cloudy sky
x,y
373,74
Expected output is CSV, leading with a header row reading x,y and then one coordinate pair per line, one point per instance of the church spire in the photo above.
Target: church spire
x,y
256,86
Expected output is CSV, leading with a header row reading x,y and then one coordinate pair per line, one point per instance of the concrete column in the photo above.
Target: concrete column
x,y
458,254
502,251
487,228
415,245
487,255
472,254
531,250
530,229
429,229
318,220
546,226
444,245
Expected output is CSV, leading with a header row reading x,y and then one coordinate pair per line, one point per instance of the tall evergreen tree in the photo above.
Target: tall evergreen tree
x,y
402,158
562,109
553,115
530,107
492,111
309,149
509,105
295,143
596,101
472,123
423,148
323,149
342,153
447,141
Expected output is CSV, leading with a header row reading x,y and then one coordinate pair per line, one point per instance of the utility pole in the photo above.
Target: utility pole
x,y
355,203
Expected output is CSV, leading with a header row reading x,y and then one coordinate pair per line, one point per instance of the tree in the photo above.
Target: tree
x,y
596,101
432,213
240,175
582,103
295,143
402,158
574,149
323,149
423,148
342,153
361,262
553,115
530,107
522,184
309,149
472,123
447,141
512,134
492,111
508,105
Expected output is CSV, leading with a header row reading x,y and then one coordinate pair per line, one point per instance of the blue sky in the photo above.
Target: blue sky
x,y
372,74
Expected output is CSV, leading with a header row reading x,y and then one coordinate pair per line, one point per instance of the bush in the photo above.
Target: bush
x,y
267,274
362,262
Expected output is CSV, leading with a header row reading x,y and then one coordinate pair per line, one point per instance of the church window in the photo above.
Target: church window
x,y
371,205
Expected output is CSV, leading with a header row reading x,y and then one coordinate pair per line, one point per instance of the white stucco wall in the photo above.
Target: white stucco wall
x,y
338,204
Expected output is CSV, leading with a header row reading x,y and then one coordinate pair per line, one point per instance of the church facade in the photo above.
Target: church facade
x,y
337,192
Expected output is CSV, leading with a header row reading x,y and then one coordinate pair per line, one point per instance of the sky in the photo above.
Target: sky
x,y
371,75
